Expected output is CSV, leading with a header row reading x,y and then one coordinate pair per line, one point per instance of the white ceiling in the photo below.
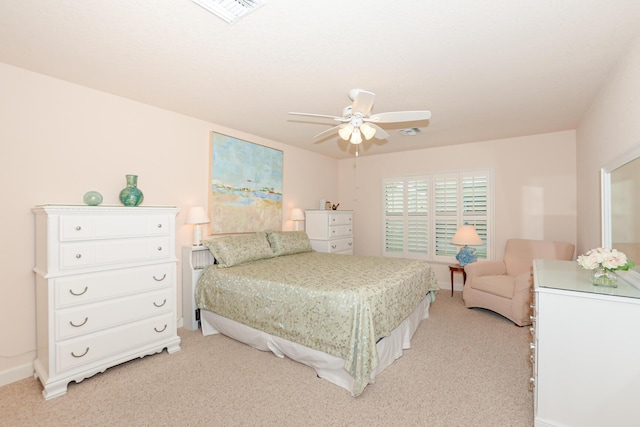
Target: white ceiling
x,y
486,69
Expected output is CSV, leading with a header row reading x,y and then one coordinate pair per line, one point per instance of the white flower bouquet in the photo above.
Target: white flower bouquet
x,y
604,259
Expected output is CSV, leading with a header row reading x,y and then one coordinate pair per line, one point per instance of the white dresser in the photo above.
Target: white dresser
x,y
105,289
330,231
586,350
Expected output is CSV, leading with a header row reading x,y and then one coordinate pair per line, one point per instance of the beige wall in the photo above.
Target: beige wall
x,y
60,140
610,128
534,187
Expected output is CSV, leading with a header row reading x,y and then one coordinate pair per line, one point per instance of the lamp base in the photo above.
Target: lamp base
x,y
466,255
197,235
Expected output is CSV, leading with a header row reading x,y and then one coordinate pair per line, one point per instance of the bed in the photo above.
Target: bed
x,y
348,317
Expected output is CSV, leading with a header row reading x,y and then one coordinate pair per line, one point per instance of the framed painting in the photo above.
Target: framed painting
x,y
246,186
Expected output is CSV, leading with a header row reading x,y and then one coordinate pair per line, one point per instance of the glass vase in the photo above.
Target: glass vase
x,y
602,277
131,194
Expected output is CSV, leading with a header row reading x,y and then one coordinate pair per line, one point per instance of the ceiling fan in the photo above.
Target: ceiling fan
x,y
357,120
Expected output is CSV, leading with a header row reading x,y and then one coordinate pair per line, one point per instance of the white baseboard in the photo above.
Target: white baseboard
x,y
16,374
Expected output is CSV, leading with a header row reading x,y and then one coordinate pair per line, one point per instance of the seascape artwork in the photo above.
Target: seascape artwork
x,y
246,186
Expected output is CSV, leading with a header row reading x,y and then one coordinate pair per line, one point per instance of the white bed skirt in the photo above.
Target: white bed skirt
x,y
328,367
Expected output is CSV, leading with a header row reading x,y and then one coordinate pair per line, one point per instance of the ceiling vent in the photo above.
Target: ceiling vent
x,y
230,10
409,131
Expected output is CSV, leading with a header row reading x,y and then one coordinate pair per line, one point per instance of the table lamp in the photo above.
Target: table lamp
x,y
296,216
197,216
466,235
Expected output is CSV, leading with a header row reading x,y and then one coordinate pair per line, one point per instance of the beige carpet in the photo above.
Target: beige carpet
x,y
465,368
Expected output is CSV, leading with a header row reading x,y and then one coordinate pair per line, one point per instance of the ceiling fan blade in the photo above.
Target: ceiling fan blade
x,y
363,103
400,116
318,115
380,133
328,131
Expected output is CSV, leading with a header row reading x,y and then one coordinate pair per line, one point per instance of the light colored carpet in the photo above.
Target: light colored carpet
x,y
465,368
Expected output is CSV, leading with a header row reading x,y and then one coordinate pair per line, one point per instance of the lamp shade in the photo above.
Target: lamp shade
x,y
296,215
197,215
356,137
368,131
345,132
466,235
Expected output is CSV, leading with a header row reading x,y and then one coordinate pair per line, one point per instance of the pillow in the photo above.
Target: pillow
x,y
233,250
289,242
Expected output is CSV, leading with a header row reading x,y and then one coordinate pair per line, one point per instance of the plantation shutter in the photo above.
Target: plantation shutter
x,y
475,196
446,215
406,224
422,214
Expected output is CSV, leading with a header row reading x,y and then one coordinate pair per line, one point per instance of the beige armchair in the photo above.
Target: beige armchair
x,y
505,286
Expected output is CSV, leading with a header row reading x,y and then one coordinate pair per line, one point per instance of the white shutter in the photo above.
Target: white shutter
x,y
406,224
423,213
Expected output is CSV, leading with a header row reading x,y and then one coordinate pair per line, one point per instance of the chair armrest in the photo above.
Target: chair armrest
x,y
524,281
485,268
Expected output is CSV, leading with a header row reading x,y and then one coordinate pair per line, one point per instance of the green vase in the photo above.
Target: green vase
x,y
131,194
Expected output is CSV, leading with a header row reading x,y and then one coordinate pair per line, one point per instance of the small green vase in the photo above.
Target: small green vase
x,y
131,194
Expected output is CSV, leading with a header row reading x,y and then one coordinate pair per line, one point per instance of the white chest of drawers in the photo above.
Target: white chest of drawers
x,y
105,289
330,231
585,349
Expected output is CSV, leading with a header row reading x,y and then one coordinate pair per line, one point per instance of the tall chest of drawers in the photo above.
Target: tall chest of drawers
x,y
330,231
105,289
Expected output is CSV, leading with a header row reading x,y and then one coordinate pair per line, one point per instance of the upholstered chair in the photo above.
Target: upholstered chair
x,y
505,286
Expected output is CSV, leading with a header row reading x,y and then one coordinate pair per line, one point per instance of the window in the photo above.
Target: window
x,y
422,213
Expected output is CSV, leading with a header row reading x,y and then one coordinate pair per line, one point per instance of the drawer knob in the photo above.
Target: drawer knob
x,y
159,225
333,246
161,304
81,324
78,256
80,355
350,243
161,330
78,228
160,279
159,248
81,293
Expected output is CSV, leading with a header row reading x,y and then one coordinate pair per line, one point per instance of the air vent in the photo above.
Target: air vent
x,y
409,131
230,10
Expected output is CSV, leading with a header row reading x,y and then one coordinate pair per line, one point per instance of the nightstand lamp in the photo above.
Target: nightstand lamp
x,y
296,216
466,235
197,216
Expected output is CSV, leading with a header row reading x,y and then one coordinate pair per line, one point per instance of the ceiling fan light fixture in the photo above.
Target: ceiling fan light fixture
x,y
345,132
356,137
368,131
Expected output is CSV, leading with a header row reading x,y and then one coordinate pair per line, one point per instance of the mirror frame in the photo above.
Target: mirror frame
x,y
633,276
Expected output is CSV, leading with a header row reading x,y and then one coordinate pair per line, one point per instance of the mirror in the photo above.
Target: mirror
x,y
620,204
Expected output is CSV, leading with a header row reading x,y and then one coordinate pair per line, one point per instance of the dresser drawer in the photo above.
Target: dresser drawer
x,y
93,287
84,227
333,246
340,231
105,252
340,219
91,348
85,319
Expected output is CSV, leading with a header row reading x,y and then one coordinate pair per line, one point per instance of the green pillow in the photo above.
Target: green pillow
x,y
233,250
289,242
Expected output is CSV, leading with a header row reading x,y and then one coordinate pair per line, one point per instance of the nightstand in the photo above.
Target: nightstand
x,y
456,268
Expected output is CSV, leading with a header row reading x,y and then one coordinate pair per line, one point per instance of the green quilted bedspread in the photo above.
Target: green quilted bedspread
x,y
338,304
